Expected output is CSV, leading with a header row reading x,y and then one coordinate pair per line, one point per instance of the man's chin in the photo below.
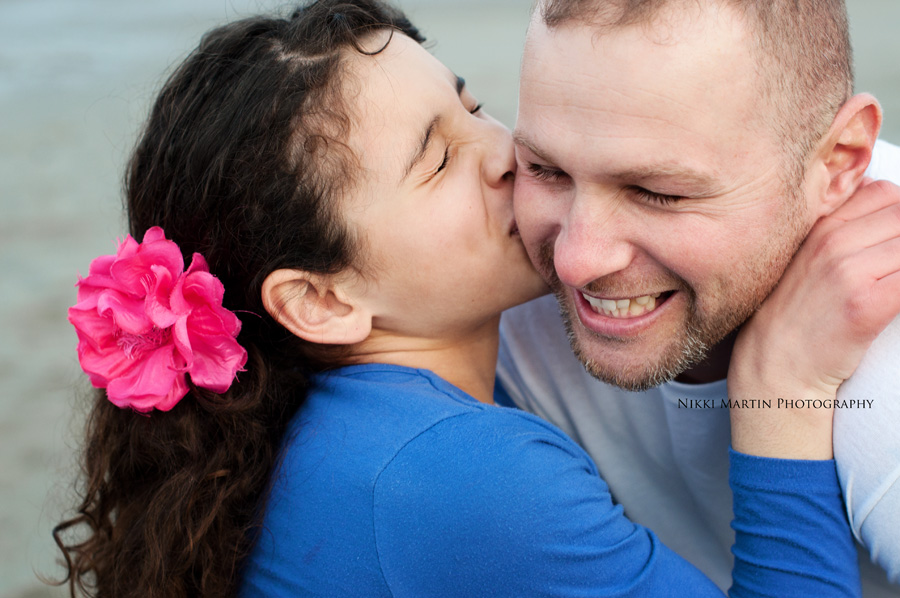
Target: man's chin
x,y
632,367
638,377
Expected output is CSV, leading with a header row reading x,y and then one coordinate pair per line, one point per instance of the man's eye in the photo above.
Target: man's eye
x,y
542,173
657,198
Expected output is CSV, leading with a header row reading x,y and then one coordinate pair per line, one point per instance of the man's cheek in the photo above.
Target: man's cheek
x,y
535,215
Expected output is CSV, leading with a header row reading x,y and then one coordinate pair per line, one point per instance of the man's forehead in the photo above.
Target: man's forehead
x,y
666,24
687,82
638,110
605,15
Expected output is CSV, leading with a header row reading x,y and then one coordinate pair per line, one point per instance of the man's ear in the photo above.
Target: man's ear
x,y
315,307
845,153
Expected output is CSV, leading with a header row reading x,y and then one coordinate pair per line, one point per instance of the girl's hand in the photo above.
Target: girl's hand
x,y
839,292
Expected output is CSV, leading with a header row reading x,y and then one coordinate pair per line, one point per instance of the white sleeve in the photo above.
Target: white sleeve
x,y
867,435
867,450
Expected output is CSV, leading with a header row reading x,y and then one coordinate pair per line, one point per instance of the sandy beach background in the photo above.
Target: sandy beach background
x,y
76,79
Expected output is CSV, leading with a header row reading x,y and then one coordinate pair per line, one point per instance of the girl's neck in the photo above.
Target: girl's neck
x,y
468,361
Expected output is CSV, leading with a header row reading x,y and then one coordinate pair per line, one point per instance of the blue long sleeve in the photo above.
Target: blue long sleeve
x,y
791,529
528,494
394,483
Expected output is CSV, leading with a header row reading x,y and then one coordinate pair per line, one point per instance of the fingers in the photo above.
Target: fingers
x,y
852,254
867,230
861,293
840,291
837,295
888,291
886,297
868,199
882,260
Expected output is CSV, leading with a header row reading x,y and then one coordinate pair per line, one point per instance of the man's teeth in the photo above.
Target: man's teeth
x,y
623,308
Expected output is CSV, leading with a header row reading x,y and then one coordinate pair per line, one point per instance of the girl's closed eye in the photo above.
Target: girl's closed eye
x,y
444,162
447,152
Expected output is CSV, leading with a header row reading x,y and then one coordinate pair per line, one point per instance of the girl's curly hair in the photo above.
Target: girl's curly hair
x,y
242,161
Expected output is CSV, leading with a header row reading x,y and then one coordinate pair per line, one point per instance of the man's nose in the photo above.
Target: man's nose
x,y
592,242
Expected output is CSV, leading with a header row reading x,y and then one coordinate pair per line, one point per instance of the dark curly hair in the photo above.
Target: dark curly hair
x,y
241,160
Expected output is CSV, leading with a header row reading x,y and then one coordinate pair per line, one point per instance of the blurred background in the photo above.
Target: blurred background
x,y
76,80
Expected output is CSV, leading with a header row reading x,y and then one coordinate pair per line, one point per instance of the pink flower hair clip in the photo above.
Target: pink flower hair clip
x,y
144,323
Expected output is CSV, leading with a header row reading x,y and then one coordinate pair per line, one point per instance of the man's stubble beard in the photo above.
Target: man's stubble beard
x,y
700,333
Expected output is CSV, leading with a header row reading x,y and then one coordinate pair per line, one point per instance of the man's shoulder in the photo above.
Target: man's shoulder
x,y
879,370
539,317
535,359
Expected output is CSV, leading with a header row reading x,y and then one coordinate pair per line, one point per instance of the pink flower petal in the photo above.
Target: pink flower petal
x,y
99,276
103,365
154,234
95,328
143,323
163,253
202,288
216,362
176,393
157,301
230,322
100,265
127,248
148,403
149,382
182,340
98,352
127,312
198,264
131,271
217,355
176,299
205,289
88,296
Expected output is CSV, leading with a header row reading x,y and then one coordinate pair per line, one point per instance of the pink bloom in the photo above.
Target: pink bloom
x,y
143,323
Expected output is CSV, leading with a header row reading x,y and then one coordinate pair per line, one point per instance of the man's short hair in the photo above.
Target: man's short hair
x,y
803,49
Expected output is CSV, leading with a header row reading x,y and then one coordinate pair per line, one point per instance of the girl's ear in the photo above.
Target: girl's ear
x,y
315,307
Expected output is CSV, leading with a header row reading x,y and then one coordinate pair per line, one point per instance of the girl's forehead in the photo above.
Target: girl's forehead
x,y
392,96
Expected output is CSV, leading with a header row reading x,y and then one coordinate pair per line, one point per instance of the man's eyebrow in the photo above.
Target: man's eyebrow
x,y
422,148
698,182
520,139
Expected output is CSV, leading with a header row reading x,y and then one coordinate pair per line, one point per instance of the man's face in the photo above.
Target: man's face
x,y
651,194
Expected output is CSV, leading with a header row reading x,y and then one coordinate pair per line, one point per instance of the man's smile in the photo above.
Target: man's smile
x,y
628,307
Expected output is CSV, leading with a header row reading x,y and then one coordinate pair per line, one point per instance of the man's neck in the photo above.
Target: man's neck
x,y
714,367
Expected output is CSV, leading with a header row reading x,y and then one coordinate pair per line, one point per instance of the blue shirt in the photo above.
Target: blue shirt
x,y
395,483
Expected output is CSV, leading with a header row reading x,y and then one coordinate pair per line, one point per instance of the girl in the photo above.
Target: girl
x,y
354,204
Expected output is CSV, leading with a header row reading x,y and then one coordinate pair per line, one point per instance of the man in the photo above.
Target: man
x,y
673,155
